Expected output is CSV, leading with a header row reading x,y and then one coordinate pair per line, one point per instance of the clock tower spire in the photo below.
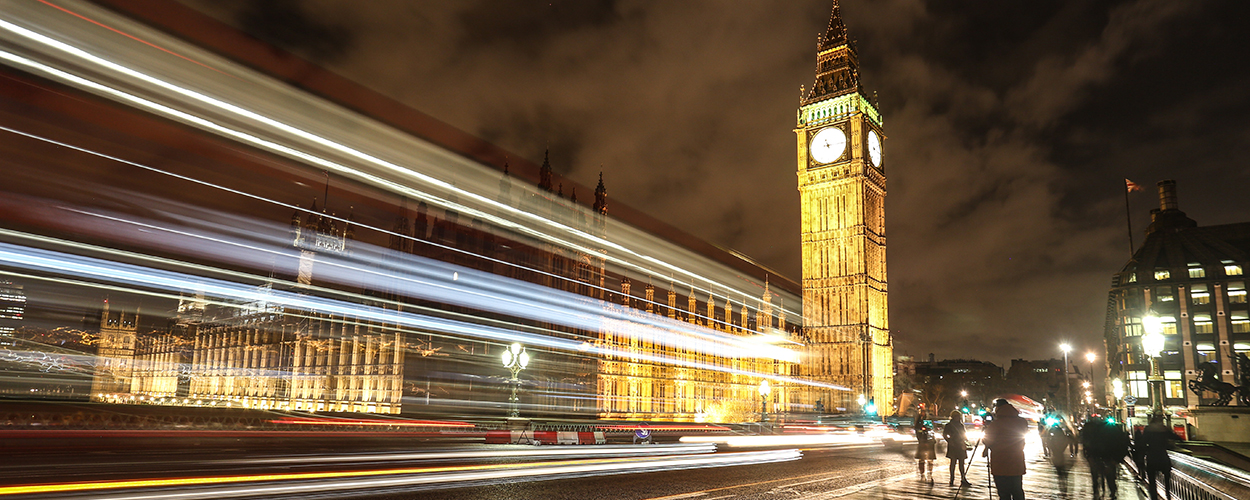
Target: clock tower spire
x,y
841,180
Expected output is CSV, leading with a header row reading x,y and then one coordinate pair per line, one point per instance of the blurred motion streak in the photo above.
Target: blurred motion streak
x,y
310,482
194,290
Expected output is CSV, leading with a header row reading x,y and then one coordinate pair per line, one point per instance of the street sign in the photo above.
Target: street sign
x,y
1130,400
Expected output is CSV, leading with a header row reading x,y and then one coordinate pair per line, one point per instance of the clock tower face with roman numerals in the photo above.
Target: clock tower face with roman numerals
x,y
842,153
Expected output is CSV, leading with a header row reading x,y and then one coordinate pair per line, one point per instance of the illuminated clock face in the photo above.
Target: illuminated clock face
x,y
874,148
828,145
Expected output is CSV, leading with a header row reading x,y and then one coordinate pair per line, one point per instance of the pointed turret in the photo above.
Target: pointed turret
x,y
672,301
601,196
837,62
835,34
505,186
544,173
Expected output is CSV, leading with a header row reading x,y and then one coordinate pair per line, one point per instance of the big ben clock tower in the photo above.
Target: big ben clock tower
x,y
841,174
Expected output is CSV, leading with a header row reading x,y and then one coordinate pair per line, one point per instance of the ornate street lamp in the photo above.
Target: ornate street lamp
x,y
1152,345
515,358
1067,385
764,390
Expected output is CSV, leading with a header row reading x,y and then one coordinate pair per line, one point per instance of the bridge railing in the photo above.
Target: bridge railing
x,y
1197,479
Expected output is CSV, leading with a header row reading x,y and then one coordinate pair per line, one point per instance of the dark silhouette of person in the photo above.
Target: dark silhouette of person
x,y
957,447
926,444
1004,444
1156,440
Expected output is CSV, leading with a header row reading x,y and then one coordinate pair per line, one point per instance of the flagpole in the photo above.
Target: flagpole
x,y
1128,215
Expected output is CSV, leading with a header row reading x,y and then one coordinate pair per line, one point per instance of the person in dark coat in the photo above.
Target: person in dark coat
x,y
1093,440
926,444
1111,449
957,447
1004,444
1156,440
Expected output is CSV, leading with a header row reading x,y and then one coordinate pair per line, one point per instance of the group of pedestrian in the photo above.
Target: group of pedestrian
x,y
1104,445
956,437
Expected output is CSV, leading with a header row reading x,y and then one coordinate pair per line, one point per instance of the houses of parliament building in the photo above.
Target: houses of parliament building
x,y
261,355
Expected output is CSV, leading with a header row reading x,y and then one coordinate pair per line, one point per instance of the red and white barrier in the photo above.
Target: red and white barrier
x,y
544,437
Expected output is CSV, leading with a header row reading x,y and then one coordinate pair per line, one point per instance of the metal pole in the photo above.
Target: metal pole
x,y
1067,384
1156,387
513,411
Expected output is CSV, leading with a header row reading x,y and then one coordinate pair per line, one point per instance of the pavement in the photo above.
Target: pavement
x,y
1042,481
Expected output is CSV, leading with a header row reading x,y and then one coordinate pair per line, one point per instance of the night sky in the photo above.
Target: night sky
x,y
1010,125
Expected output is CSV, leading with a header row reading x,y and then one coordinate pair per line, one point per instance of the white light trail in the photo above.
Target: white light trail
x,y
94,269
114,71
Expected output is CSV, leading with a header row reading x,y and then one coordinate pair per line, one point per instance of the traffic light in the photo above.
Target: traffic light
x,y
871,407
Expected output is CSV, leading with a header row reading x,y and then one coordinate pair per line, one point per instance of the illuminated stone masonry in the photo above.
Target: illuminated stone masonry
x,y
841,179
636,388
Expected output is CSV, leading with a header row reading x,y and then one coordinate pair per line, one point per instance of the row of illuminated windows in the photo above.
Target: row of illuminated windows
x,y
1239,322
1173,384
1200,294
1195,271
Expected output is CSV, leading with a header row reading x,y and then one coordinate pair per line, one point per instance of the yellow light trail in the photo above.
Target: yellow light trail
x,y
469,472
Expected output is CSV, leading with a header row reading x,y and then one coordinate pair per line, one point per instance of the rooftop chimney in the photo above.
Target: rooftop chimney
x,y
1168,215
1167,195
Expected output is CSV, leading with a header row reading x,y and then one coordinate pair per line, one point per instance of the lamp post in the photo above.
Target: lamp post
x,y
1152,345
515,358
1090,356
1067,385
1117,390
764,390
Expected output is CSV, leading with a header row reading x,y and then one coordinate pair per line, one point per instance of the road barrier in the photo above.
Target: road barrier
x,y
544,437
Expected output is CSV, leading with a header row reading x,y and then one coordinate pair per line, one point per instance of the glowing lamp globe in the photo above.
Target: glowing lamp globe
x,y
1152,343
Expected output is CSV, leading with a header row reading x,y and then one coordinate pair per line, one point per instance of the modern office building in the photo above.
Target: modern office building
x,y
1193,278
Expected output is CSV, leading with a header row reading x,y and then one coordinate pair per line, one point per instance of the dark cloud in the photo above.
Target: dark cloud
x,y
286,24
1010,126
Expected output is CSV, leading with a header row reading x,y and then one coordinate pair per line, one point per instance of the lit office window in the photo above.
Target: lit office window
x,y
1162,274
1197,272
1199,295
1240,321
1169,325
1132,327
1232,270
1237,292
1203,324
1164,294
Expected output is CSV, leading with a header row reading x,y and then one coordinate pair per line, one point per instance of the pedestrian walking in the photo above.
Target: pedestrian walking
x,y
1113,447
1004,445
1093,439
926,445
1156,440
